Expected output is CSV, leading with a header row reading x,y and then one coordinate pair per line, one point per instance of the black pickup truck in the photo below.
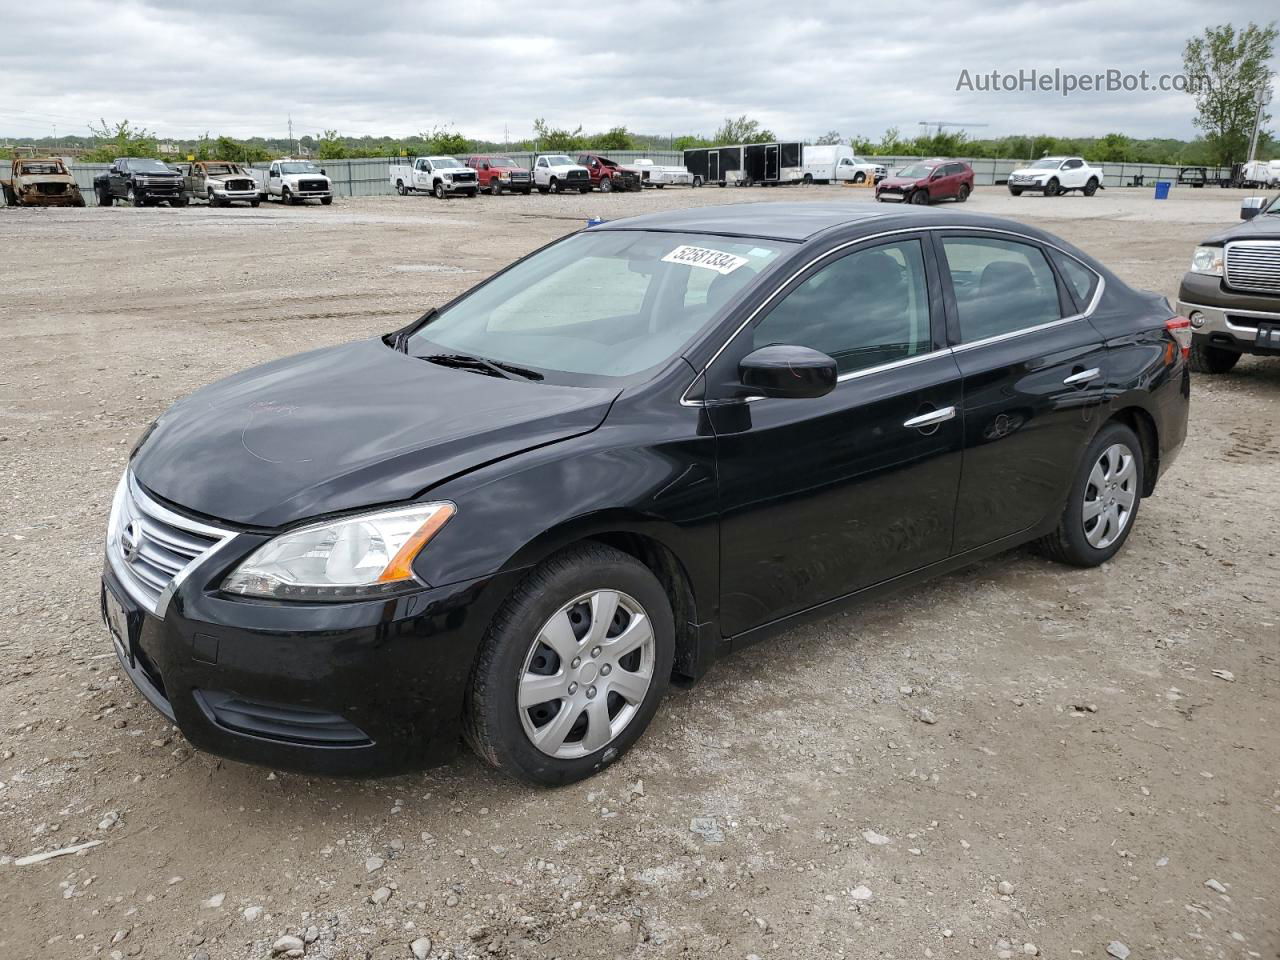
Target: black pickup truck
x,y
140,182
1231,294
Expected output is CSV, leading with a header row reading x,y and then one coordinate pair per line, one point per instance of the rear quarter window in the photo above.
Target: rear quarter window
x,y
1082,281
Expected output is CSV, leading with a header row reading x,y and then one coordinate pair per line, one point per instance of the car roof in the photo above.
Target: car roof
x,y
798,222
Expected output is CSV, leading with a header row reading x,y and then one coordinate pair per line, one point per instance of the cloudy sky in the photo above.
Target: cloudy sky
x,y
242,67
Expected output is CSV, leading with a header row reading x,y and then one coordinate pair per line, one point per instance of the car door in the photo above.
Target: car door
x,y
1034,375
273,179
118,179
1073,172
820,497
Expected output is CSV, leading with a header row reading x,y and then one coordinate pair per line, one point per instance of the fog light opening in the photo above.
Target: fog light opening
x,y
1197,319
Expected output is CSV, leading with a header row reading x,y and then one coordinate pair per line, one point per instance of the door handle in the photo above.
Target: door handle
x,y
932,418
1084,376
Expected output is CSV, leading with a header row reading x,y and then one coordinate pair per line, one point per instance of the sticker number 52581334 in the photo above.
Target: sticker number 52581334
x,y
707,259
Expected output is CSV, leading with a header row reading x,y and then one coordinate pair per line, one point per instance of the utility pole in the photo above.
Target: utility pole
x,y
292,150
1264,96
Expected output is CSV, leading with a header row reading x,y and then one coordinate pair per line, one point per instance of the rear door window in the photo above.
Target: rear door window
x,y
1001,286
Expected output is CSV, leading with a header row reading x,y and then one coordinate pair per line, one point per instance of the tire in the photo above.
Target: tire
x,y
326,201
254,202
963,194
606,185
697,182
722,184
1016,191
1114,456
104,197
859,177
438,190
1052,188
584,189
213,201
80,201
553,186
131,198
808,180
400,187
495,187
544,189
1091,187
1210,359
526,191
565,587
919,198
184,199
473,193
286,196
10,198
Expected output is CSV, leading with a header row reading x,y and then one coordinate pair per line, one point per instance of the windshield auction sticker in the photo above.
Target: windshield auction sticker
x,y
715,260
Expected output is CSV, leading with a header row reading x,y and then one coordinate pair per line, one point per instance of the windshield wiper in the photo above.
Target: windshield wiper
x,y
493,368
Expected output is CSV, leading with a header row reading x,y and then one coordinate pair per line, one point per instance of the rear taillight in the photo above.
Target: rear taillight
x,y
1180,329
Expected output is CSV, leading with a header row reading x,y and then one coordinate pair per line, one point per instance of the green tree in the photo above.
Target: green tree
x,y
615,138
1113,148
1228,70
554,138
331,146
892,144
690,141
443,142
122,140
830,137
742,130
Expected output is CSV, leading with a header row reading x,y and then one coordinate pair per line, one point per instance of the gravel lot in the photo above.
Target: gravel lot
x,y
1086,777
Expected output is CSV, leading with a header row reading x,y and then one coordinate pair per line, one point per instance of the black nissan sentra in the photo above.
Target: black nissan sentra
x,y
644,446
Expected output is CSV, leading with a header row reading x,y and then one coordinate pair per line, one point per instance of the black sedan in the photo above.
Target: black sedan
x,y
646,445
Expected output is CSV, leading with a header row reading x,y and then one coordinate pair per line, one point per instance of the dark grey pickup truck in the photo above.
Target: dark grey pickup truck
x,y
1231,294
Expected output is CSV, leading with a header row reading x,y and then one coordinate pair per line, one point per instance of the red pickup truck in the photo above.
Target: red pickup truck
x,y
607,175
500,173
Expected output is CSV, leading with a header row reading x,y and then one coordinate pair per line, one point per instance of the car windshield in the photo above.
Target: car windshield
x,y
558,160
915,171
1274,208
299,166
148,166
598,305
1046,165
444,162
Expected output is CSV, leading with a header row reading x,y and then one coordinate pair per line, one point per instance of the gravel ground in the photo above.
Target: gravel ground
x,y
1017,758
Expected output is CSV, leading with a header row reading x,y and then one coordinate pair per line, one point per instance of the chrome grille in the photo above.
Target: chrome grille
x,y
150,548
1253,265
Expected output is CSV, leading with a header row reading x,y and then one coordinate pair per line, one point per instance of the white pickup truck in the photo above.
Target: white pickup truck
x,y
440,176
656,175
1056,175
293,181
556,173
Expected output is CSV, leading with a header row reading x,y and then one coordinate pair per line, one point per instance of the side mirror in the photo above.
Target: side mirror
x,y
323,173
787,371
1250,207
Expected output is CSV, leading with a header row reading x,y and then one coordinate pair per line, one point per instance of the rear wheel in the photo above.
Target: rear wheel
x,y
400,187
104,196
963,193
697,182
572,668
1091,187
10,198
1206,358
808,180
1103,503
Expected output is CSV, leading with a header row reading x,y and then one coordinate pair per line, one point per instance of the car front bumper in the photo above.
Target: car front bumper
x,y
1029,185
1227,317
233,196
347,689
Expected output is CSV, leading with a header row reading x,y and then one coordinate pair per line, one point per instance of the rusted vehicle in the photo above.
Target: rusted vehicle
x,y
41,182
219,182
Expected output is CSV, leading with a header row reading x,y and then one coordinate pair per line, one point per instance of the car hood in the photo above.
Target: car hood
x,y
1031,172
1265,226
900,181
346,427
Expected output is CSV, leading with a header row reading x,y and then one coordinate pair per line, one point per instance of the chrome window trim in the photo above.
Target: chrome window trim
x,y
948,350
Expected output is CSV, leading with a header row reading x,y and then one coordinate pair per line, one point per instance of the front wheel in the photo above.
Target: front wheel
x,y
1091,187
920,198
326,201
859,177
1016,191
181,201
1103,503
132,199
606,185
254,202
1052,188
286,197
104,197
438,190
1206,358
553,186
572,668
495,187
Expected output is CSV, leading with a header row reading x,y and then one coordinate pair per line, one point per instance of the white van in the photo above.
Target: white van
x,y
825,163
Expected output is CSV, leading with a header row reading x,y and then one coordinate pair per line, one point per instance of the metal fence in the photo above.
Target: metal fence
x,y
370,176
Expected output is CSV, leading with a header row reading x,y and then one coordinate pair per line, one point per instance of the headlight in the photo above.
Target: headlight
x,y
369,555
1207,260
447,176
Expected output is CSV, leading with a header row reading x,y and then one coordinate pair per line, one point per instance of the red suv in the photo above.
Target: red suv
x,y
501,173
927,181
607,175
